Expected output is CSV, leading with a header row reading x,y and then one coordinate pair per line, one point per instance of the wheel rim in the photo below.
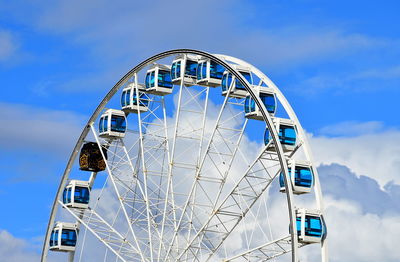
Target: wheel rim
x,y
167,227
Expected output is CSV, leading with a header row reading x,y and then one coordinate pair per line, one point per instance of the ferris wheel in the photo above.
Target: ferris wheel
x,y
190,157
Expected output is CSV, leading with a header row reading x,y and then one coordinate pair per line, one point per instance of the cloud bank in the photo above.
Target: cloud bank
x,y
14,249
8,45
38,129
373,154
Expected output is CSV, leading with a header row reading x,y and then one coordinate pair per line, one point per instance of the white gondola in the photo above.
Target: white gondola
x,y
311,227
209,73
112,124
189,74
301,176
77,194
238,90
158,80
267,96
63,237
129,101
287,135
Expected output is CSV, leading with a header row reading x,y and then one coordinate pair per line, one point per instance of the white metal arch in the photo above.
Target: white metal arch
x,y
222,60
301,133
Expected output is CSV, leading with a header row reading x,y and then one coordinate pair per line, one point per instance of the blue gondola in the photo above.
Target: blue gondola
x,y
189,78
158,80
63,237
112,124
301,176
129,101
287,135
267,96
311,227
238,90
209,73
77,194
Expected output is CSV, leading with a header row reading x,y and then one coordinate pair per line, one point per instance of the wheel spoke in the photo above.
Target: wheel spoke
x,y
190,179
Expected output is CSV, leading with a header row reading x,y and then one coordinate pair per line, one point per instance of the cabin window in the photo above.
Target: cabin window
x,y
312,226
123,100
303,177
191,68
226,81
67,195
54,238
249,105
269,102
68,237
152,79
164,79
127,97
101,123
176,70
202,71
216,70
105,124
247,76
81,195
118,123
287,135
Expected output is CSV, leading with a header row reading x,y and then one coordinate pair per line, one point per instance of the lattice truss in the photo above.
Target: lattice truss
x,y
186,183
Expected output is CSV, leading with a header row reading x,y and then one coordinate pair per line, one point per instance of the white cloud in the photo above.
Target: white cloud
x,y
384,73
352,128
31,128
354,235
363,219
339,182
375,155
349,81
119,35
299,45
14,249
123,28
358,236
358,210
366,156
8,45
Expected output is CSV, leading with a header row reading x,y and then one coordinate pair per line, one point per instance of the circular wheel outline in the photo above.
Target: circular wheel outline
x,y
220,59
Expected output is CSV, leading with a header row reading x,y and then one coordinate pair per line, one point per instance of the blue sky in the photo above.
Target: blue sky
x,y
337,62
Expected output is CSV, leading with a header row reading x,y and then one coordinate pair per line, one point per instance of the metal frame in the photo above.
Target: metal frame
x,y
177,223
301,134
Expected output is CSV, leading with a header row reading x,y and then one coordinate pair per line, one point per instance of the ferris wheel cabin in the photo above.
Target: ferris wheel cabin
x,y
129,98
267,96
301,176
238,90
77,194
91,159
287,134
209,73
311,227
190,71
158,80
63,237
112,124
